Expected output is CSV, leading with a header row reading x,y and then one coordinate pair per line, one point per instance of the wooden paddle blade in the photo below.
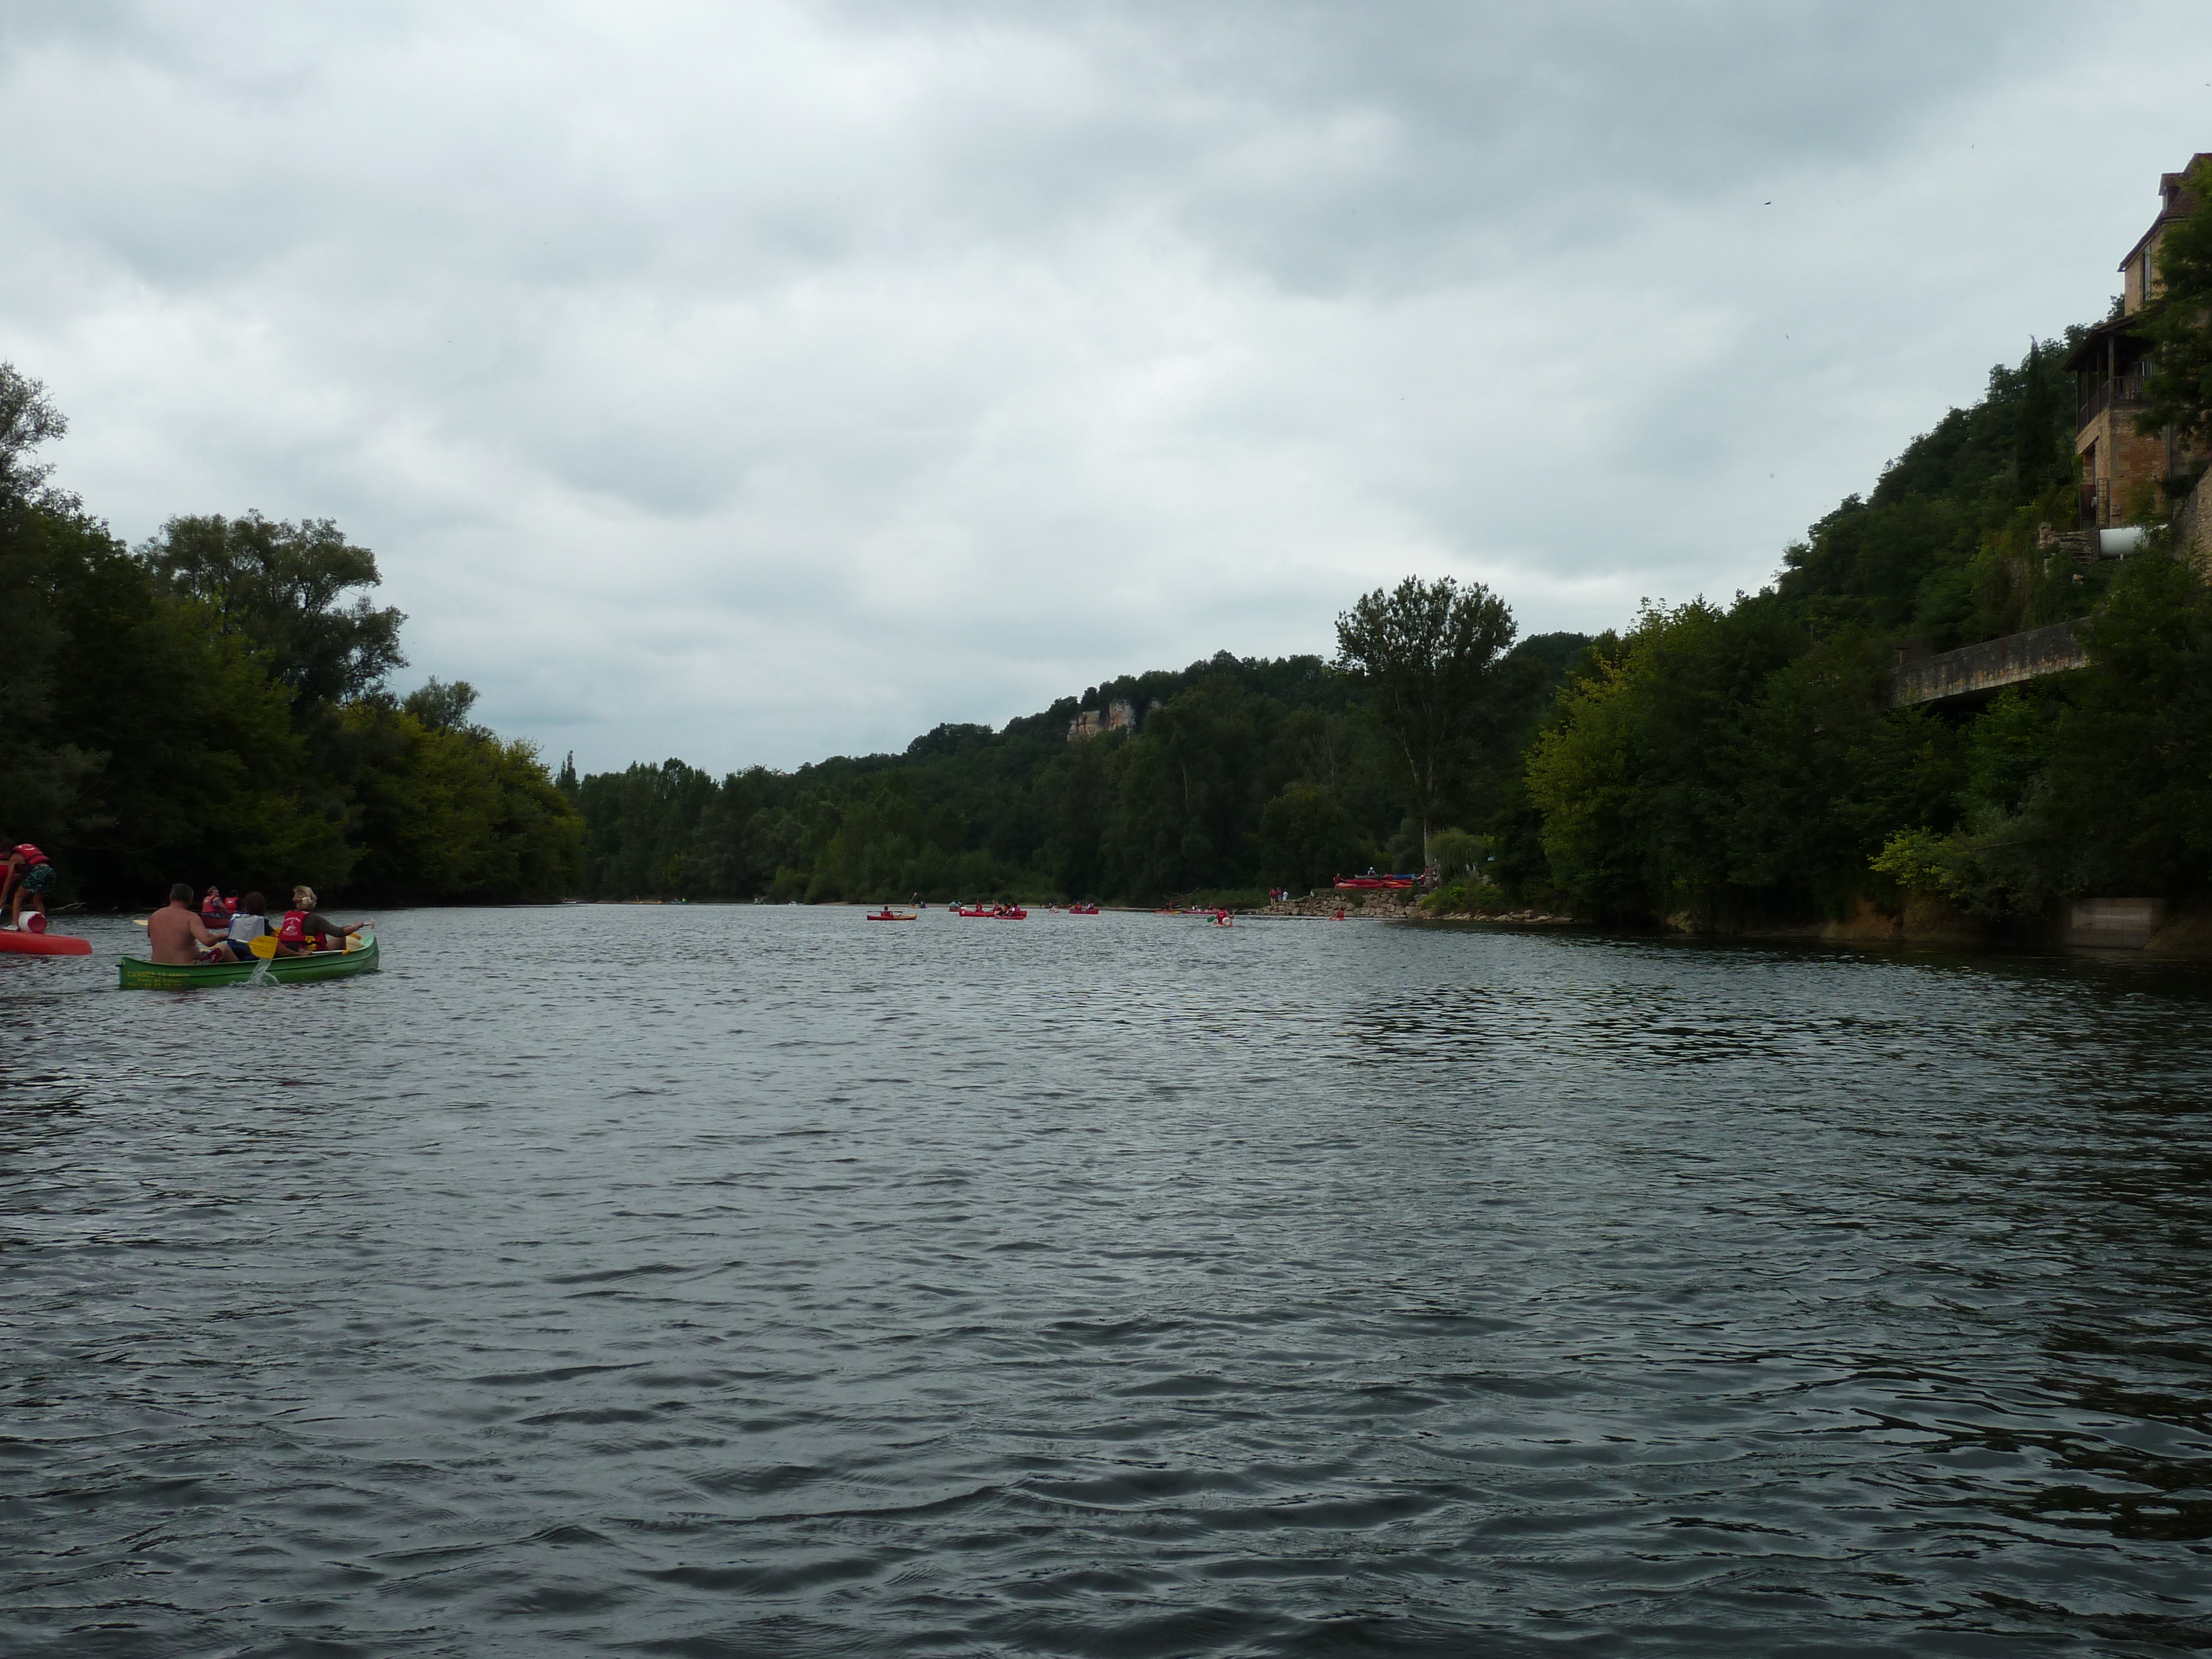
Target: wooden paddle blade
x,y
264,947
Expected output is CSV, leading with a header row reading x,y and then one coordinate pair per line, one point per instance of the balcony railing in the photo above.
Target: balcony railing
x,y
2115,393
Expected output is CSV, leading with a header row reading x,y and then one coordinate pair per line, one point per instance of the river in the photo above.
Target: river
x,y
743,1280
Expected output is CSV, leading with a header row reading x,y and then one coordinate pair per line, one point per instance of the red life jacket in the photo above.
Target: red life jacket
x,y
211,910
31,855
295,930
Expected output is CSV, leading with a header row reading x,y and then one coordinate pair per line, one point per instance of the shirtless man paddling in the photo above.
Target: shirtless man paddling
x,y
177,934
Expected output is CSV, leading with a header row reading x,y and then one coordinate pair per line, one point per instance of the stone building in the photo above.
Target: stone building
x,y
2122,468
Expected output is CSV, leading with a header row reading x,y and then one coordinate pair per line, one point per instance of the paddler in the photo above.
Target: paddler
x,y
29,876
305,928
175,935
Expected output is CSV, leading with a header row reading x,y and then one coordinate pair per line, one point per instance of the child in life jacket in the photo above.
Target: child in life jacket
x,y
213,912
29,878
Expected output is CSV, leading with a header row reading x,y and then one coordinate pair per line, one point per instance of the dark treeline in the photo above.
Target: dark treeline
x,y
214,707
1238,773
1726,765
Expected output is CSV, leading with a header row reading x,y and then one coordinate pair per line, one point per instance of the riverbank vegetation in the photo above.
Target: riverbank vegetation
x,y
216,702
215,706
1238,775
1723,765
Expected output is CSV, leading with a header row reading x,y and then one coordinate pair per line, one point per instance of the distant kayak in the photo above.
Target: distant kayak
x,y
134,974
885,915
43,945
1004,912
1375,883
1083,909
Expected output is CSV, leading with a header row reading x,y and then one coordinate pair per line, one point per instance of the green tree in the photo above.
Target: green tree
x,y
28,419
204,776
1188,792
450,813
41,771
1427,654
1308,838
282,588
444,707
2130,781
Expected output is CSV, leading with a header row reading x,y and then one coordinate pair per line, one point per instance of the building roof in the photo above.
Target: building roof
x,y
2178,203
2091,346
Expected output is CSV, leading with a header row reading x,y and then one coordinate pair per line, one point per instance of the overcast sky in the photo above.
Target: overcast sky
x,y
755,382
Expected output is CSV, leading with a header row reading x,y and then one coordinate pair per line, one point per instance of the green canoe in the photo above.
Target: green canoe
x,y
135,975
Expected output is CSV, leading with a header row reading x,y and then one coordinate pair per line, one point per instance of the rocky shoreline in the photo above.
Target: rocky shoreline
x,y
1391,906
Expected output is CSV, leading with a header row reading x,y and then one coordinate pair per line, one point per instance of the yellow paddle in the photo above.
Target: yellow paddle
x,y
264,947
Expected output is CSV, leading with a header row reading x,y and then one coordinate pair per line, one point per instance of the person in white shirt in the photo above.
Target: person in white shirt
x,y
251,922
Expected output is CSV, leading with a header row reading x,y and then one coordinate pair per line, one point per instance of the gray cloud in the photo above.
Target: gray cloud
x,y
754,385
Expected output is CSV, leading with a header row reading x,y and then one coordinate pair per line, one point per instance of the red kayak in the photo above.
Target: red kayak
x,y
43,945
886,915
1083,909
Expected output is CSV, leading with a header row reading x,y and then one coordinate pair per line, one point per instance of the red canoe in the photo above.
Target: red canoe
x,y
43,945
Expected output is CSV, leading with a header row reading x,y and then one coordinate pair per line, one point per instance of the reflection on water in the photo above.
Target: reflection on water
x,y
736,1281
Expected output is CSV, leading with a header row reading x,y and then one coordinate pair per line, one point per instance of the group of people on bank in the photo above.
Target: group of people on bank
x,y
225,929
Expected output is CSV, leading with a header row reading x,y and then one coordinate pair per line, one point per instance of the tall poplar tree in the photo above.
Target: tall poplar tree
x,y
1427,655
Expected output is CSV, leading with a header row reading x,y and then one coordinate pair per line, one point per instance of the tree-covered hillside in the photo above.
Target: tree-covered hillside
x,y
1728,765
1738,765
1241,773
212,707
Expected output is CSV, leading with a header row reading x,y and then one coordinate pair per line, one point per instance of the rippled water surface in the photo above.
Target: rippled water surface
x,y
761,1281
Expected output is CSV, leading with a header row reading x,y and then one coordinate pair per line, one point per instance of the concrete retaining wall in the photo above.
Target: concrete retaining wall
x,y
1990,666
2122,924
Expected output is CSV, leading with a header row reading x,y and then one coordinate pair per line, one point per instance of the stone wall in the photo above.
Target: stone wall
x,y
2120,467
1989,666
2125,924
